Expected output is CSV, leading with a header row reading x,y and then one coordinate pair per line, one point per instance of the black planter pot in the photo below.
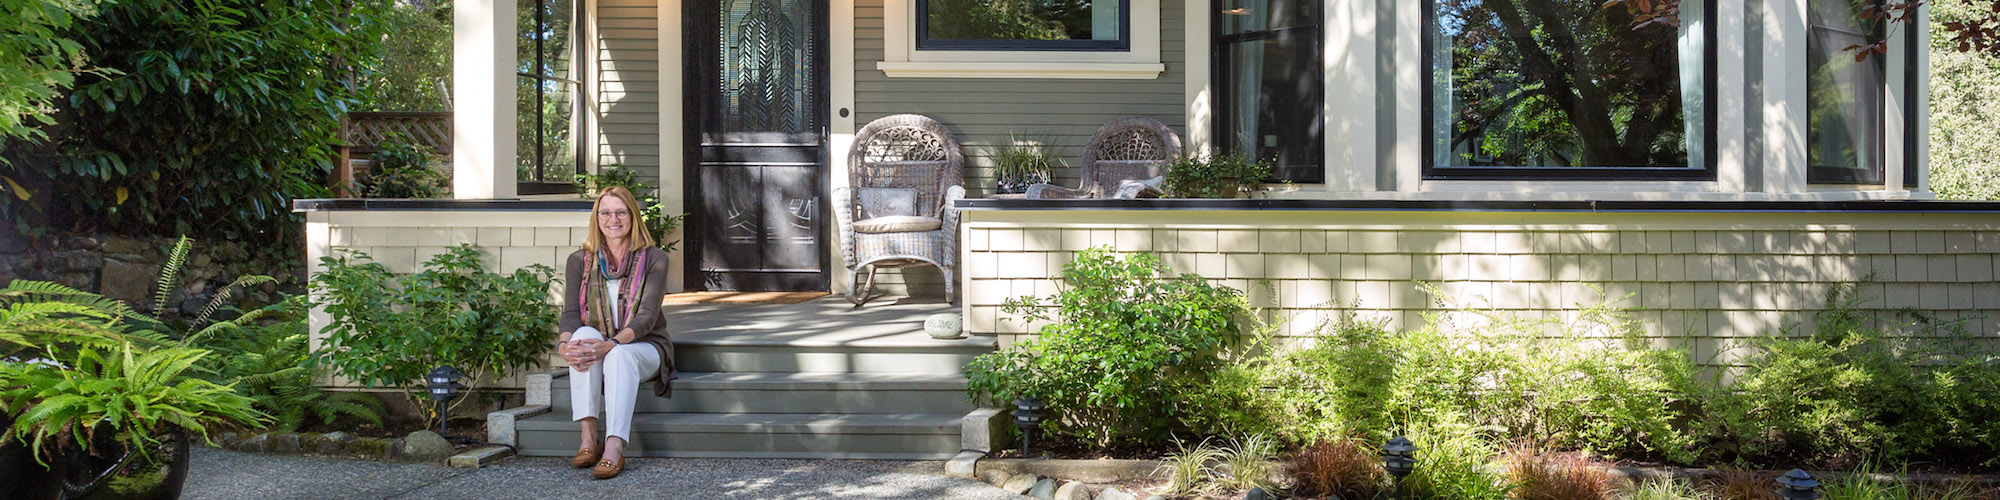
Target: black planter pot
x,y
19,472
160,477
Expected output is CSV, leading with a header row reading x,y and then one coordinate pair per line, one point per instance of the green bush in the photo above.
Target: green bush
x,y
1865,385
1121,327
405,170
1964,146
388,331
1226,175
264,353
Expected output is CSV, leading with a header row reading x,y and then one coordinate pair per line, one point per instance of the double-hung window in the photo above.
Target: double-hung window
x,y
550,105
1845,97
1566,90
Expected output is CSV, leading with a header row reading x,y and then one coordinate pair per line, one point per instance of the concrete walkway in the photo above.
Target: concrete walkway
x,y
223,474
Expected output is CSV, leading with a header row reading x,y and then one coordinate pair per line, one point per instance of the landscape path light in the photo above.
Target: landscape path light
x,y
1798,485
1399,457
444,387
1027,416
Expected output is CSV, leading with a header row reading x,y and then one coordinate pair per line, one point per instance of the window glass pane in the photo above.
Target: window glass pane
x,y
1565,83
1272,112
1844,96
1023,19
546,92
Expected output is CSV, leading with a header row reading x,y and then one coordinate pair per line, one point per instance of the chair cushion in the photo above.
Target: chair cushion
x,y
898,224
887,202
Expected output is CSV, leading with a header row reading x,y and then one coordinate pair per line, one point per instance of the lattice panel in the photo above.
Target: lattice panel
x,y
372,130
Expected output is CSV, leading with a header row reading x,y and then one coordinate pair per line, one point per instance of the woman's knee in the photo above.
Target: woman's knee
x,y
624,355
586,333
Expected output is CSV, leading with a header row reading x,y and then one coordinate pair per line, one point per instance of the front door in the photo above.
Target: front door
x,y
756,135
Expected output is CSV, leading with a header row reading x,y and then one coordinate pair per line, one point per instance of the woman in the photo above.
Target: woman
x,y
613,285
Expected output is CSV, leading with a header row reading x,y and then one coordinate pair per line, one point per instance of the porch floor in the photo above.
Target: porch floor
x,y
823,322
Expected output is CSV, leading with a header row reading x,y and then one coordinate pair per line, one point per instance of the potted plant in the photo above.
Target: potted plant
x,y
98,400
1019,164
1225,175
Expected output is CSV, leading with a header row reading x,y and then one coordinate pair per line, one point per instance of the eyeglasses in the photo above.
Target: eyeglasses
x,y
615,214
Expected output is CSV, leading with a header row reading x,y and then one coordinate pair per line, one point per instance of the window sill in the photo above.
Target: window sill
x,y
1100,71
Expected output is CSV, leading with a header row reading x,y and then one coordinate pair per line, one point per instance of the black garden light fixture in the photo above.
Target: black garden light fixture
x,y
1399,457
444,387
1027,416
1798,485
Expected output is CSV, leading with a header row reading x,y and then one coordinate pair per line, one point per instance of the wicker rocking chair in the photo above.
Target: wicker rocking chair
x,y
903,175
1124,159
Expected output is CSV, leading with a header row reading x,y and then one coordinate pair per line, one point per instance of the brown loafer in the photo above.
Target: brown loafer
x,y
607,469
585,457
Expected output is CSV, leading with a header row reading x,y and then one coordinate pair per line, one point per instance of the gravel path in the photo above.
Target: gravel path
x,y
223,474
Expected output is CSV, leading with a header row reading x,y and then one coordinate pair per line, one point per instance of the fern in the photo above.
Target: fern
x,y
170,274
222,295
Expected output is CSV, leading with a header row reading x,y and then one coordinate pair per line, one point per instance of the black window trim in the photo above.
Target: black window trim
x,y
1313,173
1707,172
579,58
1122,44
1828,174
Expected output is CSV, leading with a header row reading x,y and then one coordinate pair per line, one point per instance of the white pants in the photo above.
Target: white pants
x,y
619,375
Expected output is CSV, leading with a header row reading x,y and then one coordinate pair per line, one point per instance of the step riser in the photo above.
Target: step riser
x,y
753,401
562,443
794,359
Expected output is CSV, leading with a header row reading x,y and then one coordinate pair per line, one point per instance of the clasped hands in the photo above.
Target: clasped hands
x,y
581,354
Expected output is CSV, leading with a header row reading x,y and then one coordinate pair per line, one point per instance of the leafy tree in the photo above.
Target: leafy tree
x,y
217,115
1965,147
415,63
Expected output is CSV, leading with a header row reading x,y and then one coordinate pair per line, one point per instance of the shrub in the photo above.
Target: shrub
x,y
1226,175
1338,467
1121,326
1190,471
1249,462
1740,484
1557,477
405,170
388,331
267,360
1452,463
1666,489
1863,385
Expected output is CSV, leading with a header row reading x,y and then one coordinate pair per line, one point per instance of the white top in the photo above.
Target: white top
x,y
611,291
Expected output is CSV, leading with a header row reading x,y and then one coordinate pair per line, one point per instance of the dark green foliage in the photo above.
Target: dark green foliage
x,y
1122,331
267,362
37,63
405,170
220,114
388,331
1226,175
415,63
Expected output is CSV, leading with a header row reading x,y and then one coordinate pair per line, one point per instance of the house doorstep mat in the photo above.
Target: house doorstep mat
x,y
740,297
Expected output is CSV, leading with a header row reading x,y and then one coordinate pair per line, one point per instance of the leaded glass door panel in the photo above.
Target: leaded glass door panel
x,y
756,130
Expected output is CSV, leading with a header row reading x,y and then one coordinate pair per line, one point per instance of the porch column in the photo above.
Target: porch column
x,y
483,88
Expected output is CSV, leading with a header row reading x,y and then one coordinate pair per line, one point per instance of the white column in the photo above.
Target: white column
x,y
1199,74
1350,76
1784,96
840,69
483,88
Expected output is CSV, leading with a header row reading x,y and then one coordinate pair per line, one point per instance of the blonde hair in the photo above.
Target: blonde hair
x,y
640,237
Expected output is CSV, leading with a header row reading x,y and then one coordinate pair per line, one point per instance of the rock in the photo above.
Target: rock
x,y
423,446
1072,490
1020,484
200,260
1257,494
12,244
995,477
284,443
1044,489
130,282
331,443
82,243
118,245
255,444
1116,493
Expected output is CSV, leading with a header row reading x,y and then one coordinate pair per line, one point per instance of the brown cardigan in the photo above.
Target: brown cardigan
x,y
648,321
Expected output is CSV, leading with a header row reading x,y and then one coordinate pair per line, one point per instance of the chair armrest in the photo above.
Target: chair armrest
x,y
843,215
950,228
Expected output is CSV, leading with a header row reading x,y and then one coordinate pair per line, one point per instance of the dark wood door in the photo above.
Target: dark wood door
x,y
756,135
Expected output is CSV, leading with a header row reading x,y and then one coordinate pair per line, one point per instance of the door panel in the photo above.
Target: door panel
x,y
757,144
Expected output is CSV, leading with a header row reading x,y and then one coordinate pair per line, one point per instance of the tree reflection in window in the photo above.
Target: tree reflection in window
x,y
1844,93
1563,83
550,67
1022,24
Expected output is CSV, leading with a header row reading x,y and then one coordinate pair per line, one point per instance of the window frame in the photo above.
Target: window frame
x,y
1831,174
924,42
1220,109
1433,171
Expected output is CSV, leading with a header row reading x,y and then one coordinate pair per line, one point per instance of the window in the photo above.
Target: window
x,y
1023,25
1269,77
1566,89
549,104
1845,97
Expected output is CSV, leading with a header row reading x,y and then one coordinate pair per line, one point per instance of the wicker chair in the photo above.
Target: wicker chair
x,y
1133,148
903,175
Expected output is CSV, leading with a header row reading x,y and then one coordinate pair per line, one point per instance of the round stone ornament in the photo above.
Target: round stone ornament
x,y
942,325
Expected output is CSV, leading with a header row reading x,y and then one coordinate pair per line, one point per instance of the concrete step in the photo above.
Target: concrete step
x,y
906,353
752,392
762,435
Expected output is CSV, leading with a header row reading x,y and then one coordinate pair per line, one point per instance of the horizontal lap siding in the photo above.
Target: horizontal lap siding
x,y
983,112
628,86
